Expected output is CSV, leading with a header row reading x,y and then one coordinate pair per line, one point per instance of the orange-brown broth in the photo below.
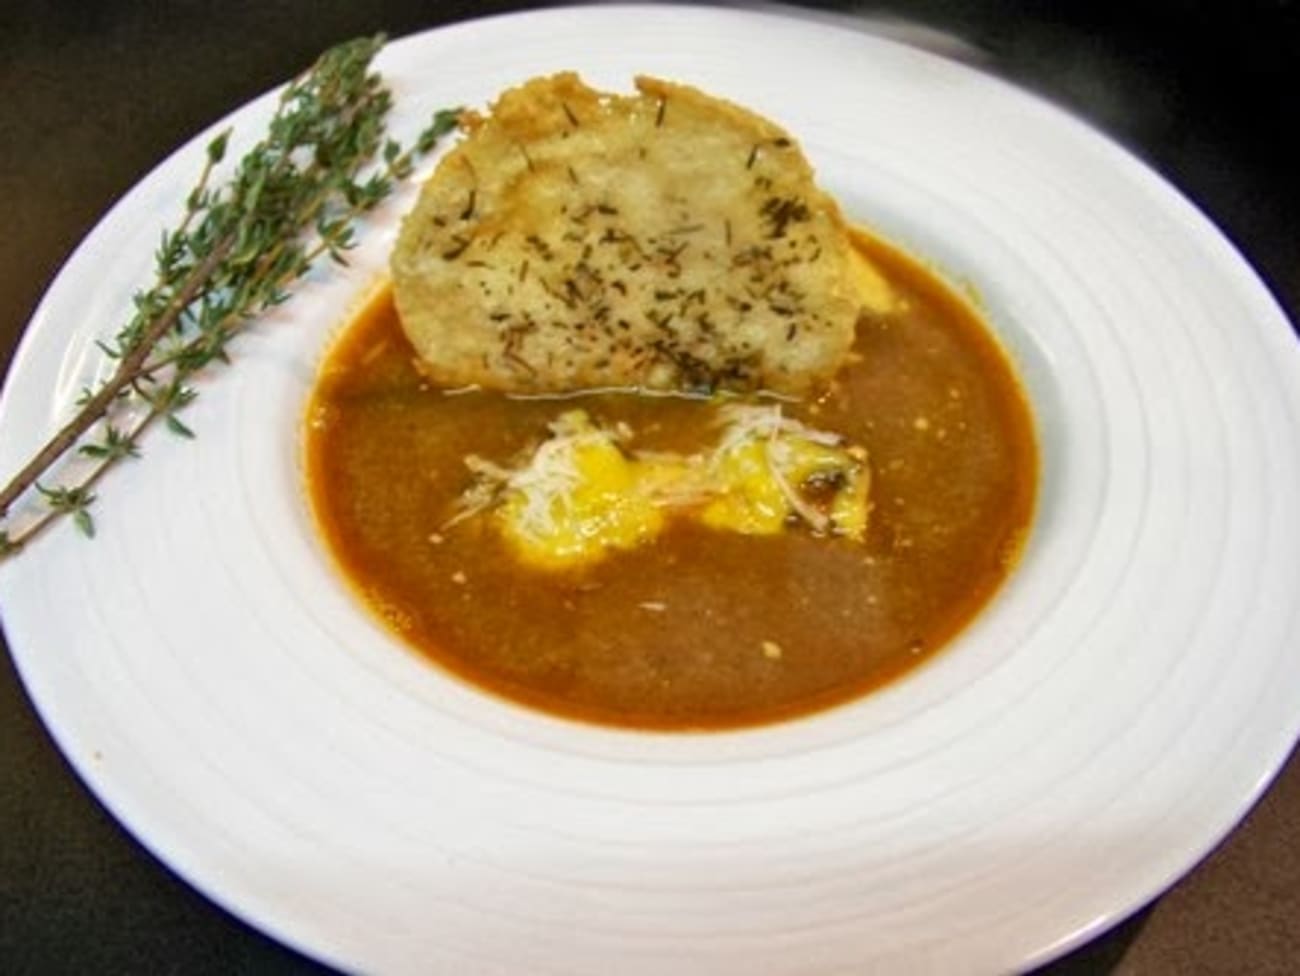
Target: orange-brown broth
x,y
673,635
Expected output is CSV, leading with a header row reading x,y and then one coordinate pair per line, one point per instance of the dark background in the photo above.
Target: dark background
x,y
94,94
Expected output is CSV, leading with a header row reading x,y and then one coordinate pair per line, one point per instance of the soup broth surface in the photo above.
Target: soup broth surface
x,y
700,629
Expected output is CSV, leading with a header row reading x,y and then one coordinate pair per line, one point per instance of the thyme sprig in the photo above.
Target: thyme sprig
x,y
238,248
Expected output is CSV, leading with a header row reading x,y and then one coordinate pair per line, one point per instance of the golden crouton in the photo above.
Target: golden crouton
x,y
666,240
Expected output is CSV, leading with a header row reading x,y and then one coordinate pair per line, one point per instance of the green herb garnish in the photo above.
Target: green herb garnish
x,y
239,247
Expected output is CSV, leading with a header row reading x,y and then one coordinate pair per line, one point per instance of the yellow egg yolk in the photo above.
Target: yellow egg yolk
x,y
582,493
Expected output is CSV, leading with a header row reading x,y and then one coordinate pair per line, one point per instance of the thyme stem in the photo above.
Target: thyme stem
x,y
94,409
293,198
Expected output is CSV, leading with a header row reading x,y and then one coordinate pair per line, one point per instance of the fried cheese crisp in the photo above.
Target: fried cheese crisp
x,y
666,240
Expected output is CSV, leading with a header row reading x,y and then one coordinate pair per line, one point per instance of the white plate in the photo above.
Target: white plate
x,y
1104,723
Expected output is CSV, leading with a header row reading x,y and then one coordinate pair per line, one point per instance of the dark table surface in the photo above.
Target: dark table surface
x,y
93,94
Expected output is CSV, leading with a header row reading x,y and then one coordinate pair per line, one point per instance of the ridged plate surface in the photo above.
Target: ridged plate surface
x,y
1107,720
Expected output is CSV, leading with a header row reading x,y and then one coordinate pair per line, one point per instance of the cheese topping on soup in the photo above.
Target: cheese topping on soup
x,y
583,491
